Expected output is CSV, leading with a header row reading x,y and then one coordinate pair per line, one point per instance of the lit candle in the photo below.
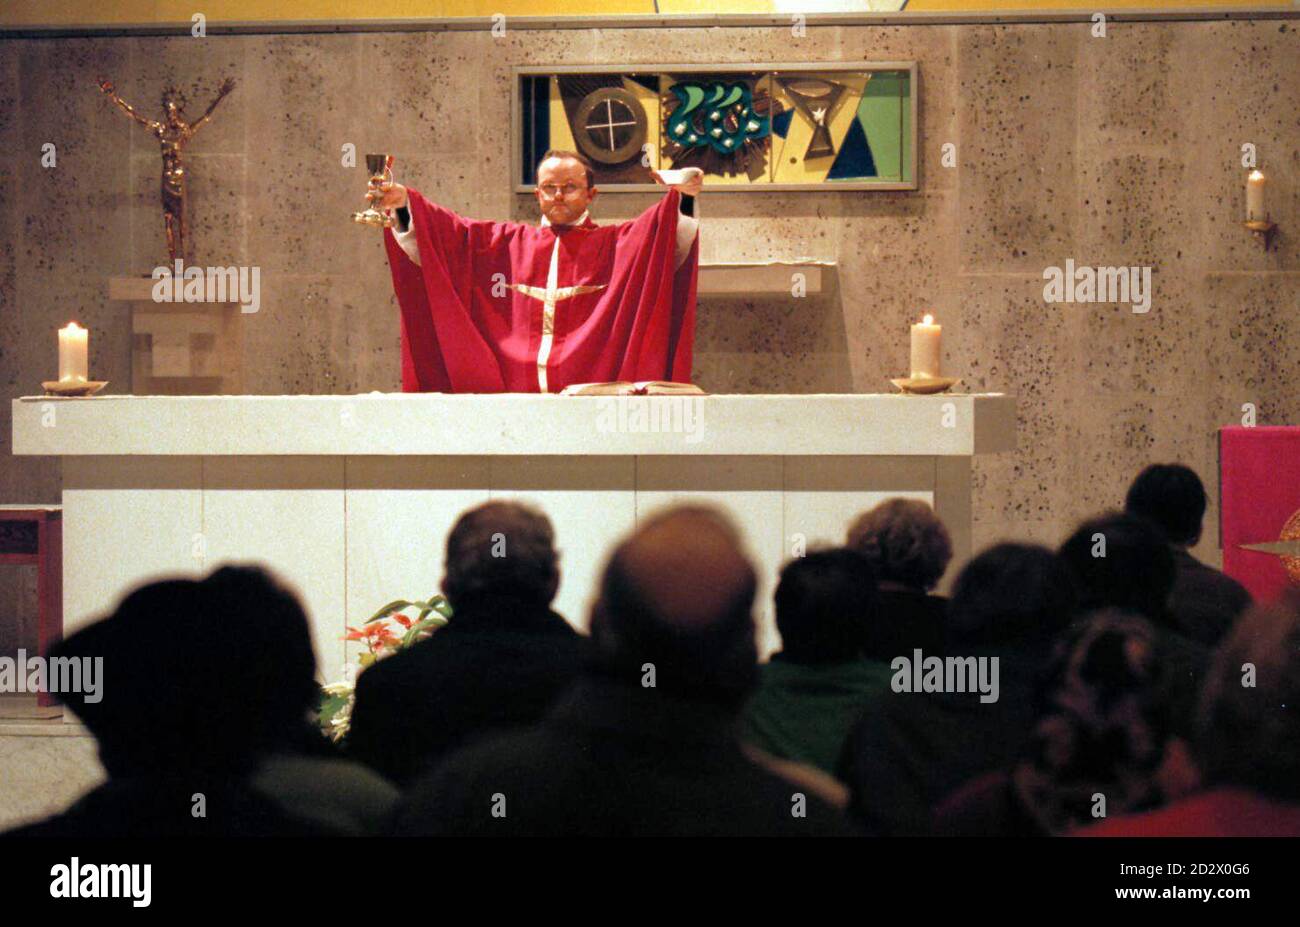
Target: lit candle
x,y
73,363
1255,198
925,348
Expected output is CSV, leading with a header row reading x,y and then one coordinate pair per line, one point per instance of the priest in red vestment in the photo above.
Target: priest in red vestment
x,y
509,307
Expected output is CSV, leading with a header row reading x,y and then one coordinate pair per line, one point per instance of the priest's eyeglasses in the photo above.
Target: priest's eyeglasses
x,y
550,190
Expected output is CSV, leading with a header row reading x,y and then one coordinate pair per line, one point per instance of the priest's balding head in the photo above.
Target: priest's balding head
x,y
566,185
675,608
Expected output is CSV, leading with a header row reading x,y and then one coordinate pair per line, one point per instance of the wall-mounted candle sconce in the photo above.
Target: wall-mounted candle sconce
x,y
1256,215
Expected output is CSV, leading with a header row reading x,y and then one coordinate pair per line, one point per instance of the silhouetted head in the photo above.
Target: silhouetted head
x,y
1249,730
198,676
566,186
823,601
1121,561
905,542
1102,725
1172,498
676,602
1010,592
501,548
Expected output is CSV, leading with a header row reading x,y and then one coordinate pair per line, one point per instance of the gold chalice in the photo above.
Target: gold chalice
x,y
381,171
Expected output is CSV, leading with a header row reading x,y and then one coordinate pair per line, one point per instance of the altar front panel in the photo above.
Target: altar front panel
x,y
125,518
350,534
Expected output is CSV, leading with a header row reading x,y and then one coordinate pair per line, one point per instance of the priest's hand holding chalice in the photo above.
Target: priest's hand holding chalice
x,y
382,194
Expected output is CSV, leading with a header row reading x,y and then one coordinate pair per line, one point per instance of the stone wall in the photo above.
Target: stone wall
x,y
1119,150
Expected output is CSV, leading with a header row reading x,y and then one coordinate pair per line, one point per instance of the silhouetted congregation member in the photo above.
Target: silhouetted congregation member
x,y
1122,561
1102,743
202,724
1204,602
912,747
812,691
646,742
498,664
909,550
1247,744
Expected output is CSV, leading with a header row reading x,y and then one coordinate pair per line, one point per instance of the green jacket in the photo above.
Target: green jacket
x,y
803,712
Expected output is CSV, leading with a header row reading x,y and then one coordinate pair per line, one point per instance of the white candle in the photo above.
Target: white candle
x,y
73,353
925,348
1255,198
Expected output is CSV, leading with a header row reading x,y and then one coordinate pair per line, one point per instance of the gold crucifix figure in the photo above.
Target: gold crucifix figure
x,y
172,133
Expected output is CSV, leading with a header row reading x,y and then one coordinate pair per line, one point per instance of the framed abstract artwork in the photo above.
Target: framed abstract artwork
x,y
749,127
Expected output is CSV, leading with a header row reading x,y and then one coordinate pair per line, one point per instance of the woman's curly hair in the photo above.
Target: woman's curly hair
x,y
905,542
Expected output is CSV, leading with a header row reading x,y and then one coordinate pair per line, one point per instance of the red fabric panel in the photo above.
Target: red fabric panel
x,y
1259,485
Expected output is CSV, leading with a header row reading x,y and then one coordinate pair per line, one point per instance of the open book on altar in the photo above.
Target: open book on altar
x,y
628,388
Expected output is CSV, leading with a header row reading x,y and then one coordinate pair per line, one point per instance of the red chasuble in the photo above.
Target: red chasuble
x,y
479,314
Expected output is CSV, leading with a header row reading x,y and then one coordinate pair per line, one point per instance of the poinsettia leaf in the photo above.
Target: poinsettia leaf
x,y
330,706
391,607
420,627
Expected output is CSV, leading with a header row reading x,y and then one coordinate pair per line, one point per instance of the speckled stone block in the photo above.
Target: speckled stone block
x,y
1018,155
720,44
991,343
312,103
1245,79
301,334
750,343
1135,208
1158,351
1252,346
454,182
756,227
414,86
1134,92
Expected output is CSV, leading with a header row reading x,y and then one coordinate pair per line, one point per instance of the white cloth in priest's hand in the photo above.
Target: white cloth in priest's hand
x,y
673,177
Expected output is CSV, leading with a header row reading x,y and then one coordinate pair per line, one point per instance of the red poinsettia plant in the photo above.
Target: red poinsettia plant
x,y
384,633
383,639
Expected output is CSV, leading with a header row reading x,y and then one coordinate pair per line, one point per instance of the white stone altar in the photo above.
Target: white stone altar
x,y
350,498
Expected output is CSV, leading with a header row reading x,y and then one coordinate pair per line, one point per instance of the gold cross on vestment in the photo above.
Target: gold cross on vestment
x,y
549,296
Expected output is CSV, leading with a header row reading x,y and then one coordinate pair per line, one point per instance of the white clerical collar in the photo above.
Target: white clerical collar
x,y
581,219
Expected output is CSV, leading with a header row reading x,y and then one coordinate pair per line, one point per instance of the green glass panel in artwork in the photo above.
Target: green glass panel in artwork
x,y
882,115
